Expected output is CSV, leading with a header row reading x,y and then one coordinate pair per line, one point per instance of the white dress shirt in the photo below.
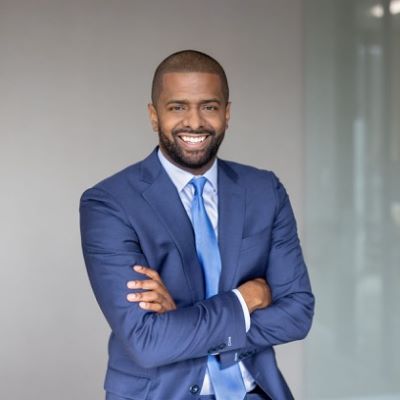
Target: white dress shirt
x,y
181,179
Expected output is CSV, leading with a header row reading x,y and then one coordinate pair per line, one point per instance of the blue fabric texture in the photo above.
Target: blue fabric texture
x,y
227,382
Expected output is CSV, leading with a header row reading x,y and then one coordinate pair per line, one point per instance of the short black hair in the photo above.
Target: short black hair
x,y
188,61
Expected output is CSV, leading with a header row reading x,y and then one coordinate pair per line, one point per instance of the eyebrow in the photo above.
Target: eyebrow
x,y
184,101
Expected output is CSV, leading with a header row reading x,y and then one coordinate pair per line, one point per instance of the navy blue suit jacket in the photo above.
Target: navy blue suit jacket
x,y
136,217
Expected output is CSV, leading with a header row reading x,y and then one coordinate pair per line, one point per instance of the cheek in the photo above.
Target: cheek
x,y
169,122
214,120
219,124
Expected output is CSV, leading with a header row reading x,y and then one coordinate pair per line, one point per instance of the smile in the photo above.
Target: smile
x,y
193,139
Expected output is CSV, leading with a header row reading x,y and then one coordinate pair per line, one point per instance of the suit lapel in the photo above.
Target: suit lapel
x,y
163,197
231,210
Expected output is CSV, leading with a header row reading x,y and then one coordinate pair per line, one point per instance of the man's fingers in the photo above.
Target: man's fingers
x,y
151,273
155,296
148,284
155,307
150,296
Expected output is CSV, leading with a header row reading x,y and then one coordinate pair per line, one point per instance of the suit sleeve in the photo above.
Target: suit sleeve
x,y
290,315
111,248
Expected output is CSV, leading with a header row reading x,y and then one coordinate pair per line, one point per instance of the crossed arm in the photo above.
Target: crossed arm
x,y
111,248
156,297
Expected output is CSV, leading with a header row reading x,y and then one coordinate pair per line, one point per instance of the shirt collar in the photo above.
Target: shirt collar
x,y
181,178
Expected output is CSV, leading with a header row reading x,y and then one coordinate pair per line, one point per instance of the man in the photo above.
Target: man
x,y
195,261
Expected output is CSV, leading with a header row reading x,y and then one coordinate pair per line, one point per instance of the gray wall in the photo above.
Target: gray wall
x,y
352,96
74,83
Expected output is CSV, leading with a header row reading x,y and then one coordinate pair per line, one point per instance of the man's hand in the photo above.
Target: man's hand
x,y
256,294
156,297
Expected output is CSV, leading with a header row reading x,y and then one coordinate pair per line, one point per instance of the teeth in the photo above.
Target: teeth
x,y
189,139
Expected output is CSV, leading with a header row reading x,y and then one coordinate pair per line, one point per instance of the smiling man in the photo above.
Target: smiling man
x,y
195,261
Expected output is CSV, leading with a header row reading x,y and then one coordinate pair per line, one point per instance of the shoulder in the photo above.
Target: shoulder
x,y
260,185
249,176
120,185
127,175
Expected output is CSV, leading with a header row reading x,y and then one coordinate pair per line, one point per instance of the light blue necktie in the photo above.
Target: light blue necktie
x,y
228,382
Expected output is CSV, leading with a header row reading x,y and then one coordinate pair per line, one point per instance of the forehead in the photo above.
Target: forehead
x,y
190,85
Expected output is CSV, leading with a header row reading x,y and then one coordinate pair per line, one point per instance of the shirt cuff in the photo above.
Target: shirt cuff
x,y
246,313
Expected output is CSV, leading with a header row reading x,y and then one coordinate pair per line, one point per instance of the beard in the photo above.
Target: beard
x,y
193,159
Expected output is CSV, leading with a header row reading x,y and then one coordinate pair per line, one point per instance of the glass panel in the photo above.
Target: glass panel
x,y
352,240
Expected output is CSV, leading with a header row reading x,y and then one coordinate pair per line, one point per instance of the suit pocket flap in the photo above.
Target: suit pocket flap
x,y
129,386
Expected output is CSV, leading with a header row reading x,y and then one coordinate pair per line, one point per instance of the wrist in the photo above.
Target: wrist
x,y
249,298
256,294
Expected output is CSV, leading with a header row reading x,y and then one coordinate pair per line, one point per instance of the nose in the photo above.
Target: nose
x,y
193,119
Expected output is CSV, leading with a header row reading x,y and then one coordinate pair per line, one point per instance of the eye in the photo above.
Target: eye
x,y
176,107
210,107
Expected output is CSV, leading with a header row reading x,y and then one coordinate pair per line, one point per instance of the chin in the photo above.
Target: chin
x,y
197,162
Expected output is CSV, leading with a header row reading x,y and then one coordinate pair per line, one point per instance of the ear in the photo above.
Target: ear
x,y
153,116
227,114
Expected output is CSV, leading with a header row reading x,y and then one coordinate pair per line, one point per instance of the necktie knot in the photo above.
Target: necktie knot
x,y
198,184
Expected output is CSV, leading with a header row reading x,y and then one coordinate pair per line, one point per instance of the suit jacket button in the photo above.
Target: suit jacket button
x,y
194,389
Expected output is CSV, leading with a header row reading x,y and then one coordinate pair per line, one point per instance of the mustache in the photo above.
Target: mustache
x,y
195,131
